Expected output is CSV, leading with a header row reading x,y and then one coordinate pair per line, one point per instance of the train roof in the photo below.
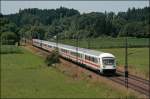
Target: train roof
x,y
80,50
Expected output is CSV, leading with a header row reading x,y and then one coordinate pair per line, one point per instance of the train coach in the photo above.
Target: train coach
x,y
103,62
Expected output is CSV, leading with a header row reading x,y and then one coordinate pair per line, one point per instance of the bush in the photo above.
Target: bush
x,y
8,38
52,58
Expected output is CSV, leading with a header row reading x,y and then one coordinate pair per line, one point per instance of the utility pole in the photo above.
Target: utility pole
x,y
57,38
39,39
88,43
57,41
149,66
77,38
126,61
77,44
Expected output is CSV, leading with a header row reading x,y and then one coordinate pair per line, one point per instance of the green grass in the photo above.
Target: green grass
x,y
138,58
107,42
6,49
25,75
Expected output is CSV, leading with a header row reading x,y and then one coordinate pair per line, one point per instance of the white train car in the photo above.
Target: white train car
x,y
103,62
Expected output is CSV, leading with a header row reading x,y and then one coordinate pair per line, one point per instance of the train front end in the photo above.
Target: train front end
x,y
108,63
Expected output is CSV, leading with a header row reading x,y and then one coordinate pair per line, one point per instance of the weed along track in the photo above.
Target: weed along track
x,y
135,83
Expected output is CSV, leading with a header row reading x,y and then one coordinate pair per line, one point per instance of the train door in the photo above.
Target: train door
x,y
41,44
101,64
83,58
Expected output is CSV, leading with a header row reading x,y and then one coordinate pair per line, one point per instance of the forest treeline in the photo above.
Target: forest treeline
x,y
69,23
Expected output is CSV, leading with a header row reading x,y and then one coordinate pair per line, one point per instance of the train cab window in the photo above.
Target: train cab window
x,y
108,61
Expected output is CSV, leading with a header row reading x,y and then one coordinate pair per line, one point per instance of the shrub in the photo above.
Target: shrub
x,y
52,58
8,38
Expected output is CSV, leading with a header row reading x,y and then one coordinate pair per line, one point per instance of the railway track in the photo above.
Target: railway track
x,y
137,78
134,82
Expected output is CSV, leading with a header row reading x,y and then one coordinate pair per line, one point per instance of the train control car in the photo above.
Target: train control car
x,y
101,61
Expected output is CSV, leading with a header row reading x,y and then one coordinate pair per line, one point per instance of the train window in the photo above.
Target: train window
x,y
79,55
74,53
90,58
71,53
49,46
87,57
95,60
63,50
36,42
66,51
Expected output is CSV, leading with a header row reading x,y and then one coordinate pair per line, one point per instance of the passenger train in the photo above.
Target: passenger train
x,y
103,62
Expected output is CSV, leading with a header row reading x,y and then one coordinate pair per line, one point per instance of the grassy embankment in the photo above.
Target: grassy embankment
x,y
24,75
137,53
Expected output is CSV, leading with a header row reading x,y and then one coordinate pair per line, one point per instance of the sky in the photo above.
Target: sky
x,y
10,7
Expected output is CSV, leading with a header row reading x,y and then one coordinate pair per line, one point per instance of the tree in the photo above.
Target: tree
x,y
134,29
37,32
47,23
8,38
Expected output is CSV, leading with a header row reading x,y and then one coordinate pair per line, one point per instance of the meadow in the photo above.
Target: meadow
x,y
6,49
25,75
106,42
